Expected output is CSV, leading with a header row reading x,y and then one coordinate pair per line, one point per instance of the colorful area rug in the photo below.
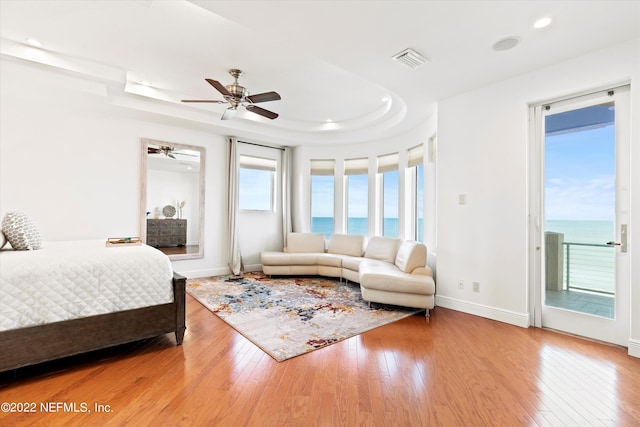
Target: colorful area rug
x,y
287,317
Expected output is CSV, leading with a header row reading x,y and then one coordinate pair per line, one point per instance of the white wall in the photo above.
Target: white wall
x,y
72,161
483,154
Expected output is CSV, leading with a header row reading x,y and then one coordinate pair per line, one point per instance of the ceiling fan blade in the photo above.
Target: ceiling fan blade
x,y
261,111
219,87
228,113
264,97
215,101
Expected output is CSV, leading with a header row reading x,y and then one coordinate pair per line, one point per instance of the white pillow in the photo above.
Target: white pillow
x,y
20,231
3,240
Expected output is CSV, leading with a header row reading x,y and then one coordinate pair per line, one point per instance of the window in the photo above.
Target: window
x,y
357,176
416,161
322,199
256,189
388,167
419,195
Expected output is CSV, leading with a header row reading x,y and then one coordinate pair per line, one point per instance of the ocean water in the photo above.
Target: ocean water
x,y
355,226
599,232
590,267
358,226
322,225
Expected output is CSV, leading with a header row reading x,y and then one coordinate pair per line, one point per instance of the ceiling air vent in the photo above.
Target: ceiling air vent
x,y
410,58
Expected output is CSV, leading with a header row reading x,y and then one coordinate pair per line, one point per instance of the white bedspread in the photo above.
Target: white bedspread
x,y
67,280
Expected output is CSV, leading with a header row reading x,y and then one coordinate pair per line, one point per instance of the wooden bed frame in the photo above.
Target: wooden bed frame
x,y
37,344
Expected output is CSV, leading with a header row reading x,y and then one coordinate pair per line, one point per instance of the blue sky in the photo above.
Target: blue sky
x,y
322,196
255,189
358,196
391,194
580,174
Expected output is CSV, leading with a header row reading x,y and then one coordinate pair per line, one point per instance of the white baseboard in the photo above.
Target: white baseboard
x,y
252,268
506,316
634,348
196,274
221,271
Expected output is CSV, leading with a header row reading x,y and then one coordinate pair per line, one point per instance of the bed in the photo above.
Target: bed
x,y
73,297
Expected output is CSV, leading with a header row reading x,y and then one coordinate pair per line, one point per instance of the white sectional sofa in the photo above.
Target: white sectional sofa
x,y
389,271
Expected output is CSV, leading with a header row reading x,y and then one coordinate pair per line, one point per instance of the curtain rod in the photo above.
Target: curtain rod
x,y
261,145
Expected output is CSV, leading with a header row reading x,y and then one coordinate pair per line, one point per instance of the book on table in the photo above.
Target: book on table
x,y
124,241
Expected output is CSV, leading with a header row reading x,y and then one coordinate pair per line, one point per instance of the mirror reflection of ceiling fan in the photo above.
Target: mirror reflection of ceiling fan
x,y
168,151
238,96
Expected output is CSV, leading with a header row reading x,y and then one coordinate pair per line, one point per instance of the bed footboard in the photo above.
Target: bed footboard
x,y
36,344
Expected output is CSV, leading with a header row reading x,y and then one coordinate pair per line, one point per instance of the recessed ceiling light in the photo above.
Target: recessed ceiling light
x,y
506,43
329,120
33,42
542,22
385,99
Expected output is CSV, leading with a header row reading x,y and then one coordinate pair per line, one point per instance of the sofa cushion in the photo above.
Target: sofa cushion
x,y
281,258
305,242
331,260
386,277
351,263
344,244
411,255
382,248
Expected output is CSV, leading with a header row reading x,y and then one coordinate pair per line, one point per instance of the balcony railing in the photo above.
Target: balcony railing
x,y
589,267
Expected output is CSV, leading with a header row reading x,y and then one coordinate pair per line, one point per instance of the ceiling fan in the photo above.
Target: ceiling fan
x,y
167,151
237,95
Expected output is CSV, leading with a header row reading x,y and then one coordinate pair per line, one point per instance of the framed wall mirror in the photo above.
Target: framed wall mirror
x,y
172,198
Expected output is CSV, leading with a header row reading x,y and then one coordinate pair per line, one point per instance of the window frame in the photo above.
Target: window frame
x,y
418,202
415,162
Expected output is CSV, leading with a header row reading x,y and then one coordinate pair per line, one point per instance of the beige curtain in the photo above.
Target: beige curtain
x,y
235,256
286,194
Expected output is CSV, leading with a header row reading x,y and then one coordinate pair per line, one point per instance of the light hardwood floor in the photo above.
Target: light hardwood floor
x,y
454,370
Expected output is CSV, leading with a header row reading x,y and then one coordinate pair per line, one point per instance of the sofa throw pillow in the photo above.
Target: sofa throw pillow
x,y
3,239
21,231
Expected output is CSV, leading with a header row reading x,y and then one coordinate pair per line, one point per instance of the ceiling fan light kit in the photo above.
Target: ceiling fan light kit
x,y
238,96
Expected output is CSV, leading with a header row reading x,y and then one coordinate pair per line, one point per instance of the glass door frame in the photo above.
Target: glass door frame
x,y
617,330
